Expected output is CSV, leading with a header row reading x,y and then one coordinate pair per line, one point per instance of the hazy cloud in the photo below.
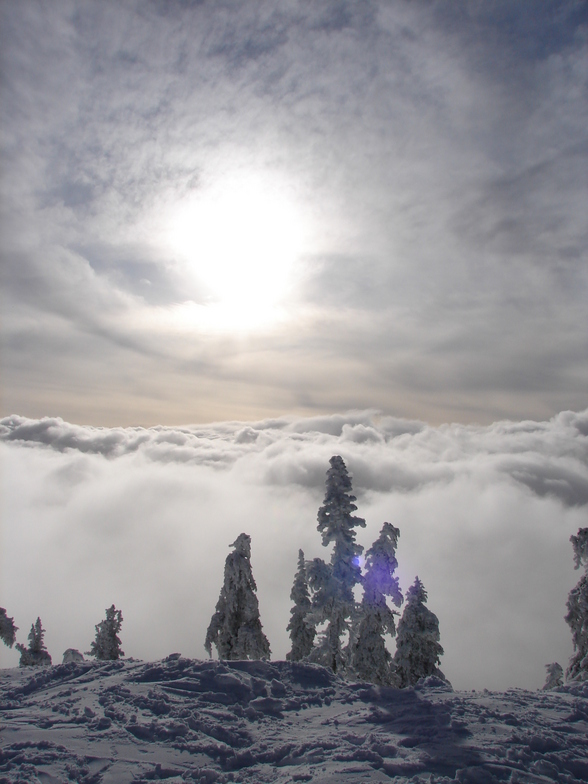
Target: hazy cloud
x,y
438,153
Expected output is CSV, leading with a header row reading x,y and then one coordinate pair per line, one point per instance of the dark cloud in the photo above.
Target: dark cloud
x,y
347,281
148,279
547,479
517,215
528,30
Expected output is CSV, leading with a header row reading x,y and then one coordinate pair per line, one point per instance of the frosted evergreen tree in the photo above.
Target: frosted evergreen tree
x,y
235,628
332,584
554,676
106,645
36,654
417,643
7,629
577,616
302,633
72,655
370,659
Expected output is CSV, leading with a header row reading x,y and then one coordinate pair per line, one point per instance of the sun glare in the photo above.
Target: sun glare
x,y
239,239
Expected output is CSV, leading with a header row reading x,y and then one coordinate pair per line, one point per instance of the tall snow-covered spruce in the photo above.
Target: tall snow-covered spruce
x,y
36,654
332,584
106,645
417,643
577,616
369,658
302,633
235,628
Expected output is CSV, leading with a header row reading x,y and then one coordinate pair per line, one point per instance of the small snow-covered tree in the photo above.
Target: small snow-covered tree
x,y
106,645
417,642
577,616
370,659
326,607
235,628
7,629
332,584
36,654
554,676
72,655
302,633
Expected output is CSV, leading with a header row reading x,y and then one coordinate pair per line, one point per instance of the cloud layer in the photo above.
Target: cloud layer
x,y
437,156
143,517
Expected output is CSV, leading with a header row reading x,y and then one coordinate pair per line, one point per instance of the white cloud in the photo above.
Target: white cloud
x,y
143,517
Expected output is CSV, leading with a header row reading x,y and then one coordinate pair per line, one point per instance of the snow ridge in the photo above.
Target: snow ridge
x,y
186,720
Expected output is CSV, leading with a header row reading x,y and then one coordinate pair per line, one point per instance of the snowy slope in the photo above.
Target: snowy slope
x,y
204,721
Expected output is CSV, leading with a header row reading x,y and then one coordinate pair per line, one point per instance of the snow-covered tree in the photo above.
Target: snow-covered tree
x,y
235,628
72,655
336,524
106,645
370,660
302,634
417,642
554,676
577,616
36,654
7,629
332,584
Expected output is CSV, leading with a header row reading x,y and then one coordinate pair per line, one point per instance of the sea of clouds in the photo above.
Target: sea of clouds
x,y
143,518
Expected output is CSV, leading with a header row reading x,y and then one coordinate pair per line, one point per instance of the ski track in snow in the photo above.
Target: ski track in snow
x,y
206,721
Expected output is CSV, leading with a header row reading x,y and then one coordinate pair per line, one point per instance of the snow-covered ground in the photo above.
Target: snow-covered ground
x,y
208,721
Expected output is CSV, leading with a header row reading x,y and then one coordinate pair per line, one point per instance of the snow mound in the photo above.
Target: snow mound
x,y
210,722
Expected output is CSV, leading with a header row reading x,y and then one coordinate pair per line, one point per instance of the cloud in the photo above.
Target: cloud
x,y
143,518
438,154
385,454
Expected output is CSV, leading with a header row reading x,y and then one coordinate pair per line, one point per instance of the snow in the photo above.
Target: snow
x,y
255,721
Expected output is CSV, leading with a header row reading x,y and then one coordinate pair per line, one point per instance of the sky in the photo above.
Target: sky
x,y
221,210
237,238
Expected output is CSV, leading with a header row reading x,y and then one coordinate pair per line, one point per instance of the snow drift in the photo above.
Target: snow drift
x,y
184,720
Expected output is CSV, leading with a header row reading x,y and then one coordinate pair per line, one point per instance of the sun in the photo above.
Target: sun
x,y
239,239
